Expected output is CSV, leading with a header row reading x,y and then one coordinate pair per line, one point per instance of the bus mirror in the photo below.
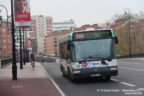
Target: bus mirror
x,y
72,45
116,40
68,46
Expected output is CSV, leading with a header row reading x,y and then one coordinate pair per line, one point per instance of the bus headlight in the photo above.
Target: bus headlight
x,y
113,68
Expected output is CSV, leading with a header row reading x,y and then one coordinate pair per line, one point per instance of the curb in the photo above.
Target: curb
x,y
58,88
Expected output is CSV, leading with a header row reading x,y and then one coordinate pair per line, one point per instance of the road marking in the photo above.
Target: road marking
x,y
128,84
114,79
131,69
58,88
124,83
17,86
61,92
129,63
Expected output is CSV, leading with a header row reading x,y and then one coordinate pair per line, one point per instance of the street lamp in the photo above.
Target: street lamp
x,y
127,11
23,47
0,20
21,61
6,13
14,66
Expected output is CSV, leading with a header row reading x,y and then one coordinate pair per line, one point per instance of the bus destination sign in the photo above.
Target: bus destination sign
x,y
92,35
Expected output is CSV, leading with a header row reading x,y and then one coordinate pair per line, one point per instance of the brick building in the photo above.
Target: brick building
x,y
135,26
52,39
5,41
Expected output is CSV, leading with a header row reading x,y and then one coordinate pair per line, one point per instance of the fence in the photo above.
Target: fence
x,y
139,55
45,59
5,62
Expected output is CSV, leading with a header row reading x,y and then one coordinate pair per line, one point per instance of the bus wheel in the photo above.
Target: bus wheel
x,y
107,78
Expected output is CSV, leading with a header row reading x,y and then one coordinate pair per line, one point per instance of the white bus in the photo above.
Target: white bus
x,y
88,54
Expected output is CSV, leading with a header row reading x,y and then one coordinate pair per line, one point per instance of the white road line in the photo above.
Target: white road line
x,y
129,63
61,92
58,88
131,69
114,79
124,83
128,84
125,62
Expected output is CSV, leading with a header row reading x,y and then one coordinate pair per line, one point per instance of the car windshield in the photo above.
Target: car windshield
x,y
94,49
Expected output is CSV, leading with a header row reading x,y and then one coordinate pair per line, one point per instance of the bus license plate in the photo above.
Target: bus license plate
x,y
95,75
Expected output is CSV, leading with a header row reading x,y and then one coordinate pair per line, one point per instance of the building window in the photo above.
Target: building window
x,y
4,24
4,46
4,41
4,29
5,51
4,35
10,41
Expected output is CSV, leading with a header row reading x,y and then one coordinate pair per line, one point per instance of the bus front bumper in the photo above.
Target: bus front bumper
x,y
96,72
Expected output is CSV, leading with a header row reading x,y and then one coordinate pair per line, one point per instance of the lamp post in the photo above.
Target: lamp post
x,y
0,41
0,20
23,46
127,11
14,66
6,14
21,57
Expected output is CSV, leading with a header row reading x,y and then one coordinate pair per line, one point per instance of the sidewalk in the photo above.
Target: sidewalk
x,y
31,82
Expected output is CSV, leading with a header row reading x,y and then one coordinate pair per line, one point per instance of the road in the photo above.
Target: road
x,y
129,82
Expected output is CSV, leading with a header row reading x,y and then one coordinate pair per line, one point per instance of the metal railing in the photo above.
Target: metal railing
x,y
139,55
5,62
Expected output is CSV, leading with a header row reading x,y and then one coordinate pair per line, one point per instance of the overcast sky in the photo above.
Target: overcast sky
x,y
82,11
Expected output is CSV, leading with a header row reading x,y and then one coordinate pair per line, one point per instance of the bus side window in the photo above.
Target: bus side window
x,y
116,40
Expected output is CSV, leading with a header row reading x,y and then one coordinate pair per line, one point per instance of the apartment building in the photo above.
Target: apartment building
x,y
64,25
5,41
41,26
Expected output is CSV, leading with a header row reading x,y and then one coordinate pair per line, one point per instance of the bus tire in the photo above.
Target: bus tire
x,y
107,78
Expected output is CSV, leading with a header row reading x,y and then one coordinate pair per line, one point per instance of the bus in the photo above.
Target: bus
x,y
88,54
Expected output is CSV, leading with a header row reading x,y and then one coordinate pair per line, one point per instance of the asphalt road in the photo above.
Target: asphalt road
x,y
129,82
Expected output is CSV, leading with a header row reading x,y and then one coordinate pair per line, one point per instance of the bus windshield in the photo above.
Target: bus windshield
x,y
94,49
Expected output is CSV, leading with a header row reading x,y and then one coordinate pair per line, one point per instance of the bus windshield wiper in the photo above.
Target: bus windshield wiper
x,y
97,57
